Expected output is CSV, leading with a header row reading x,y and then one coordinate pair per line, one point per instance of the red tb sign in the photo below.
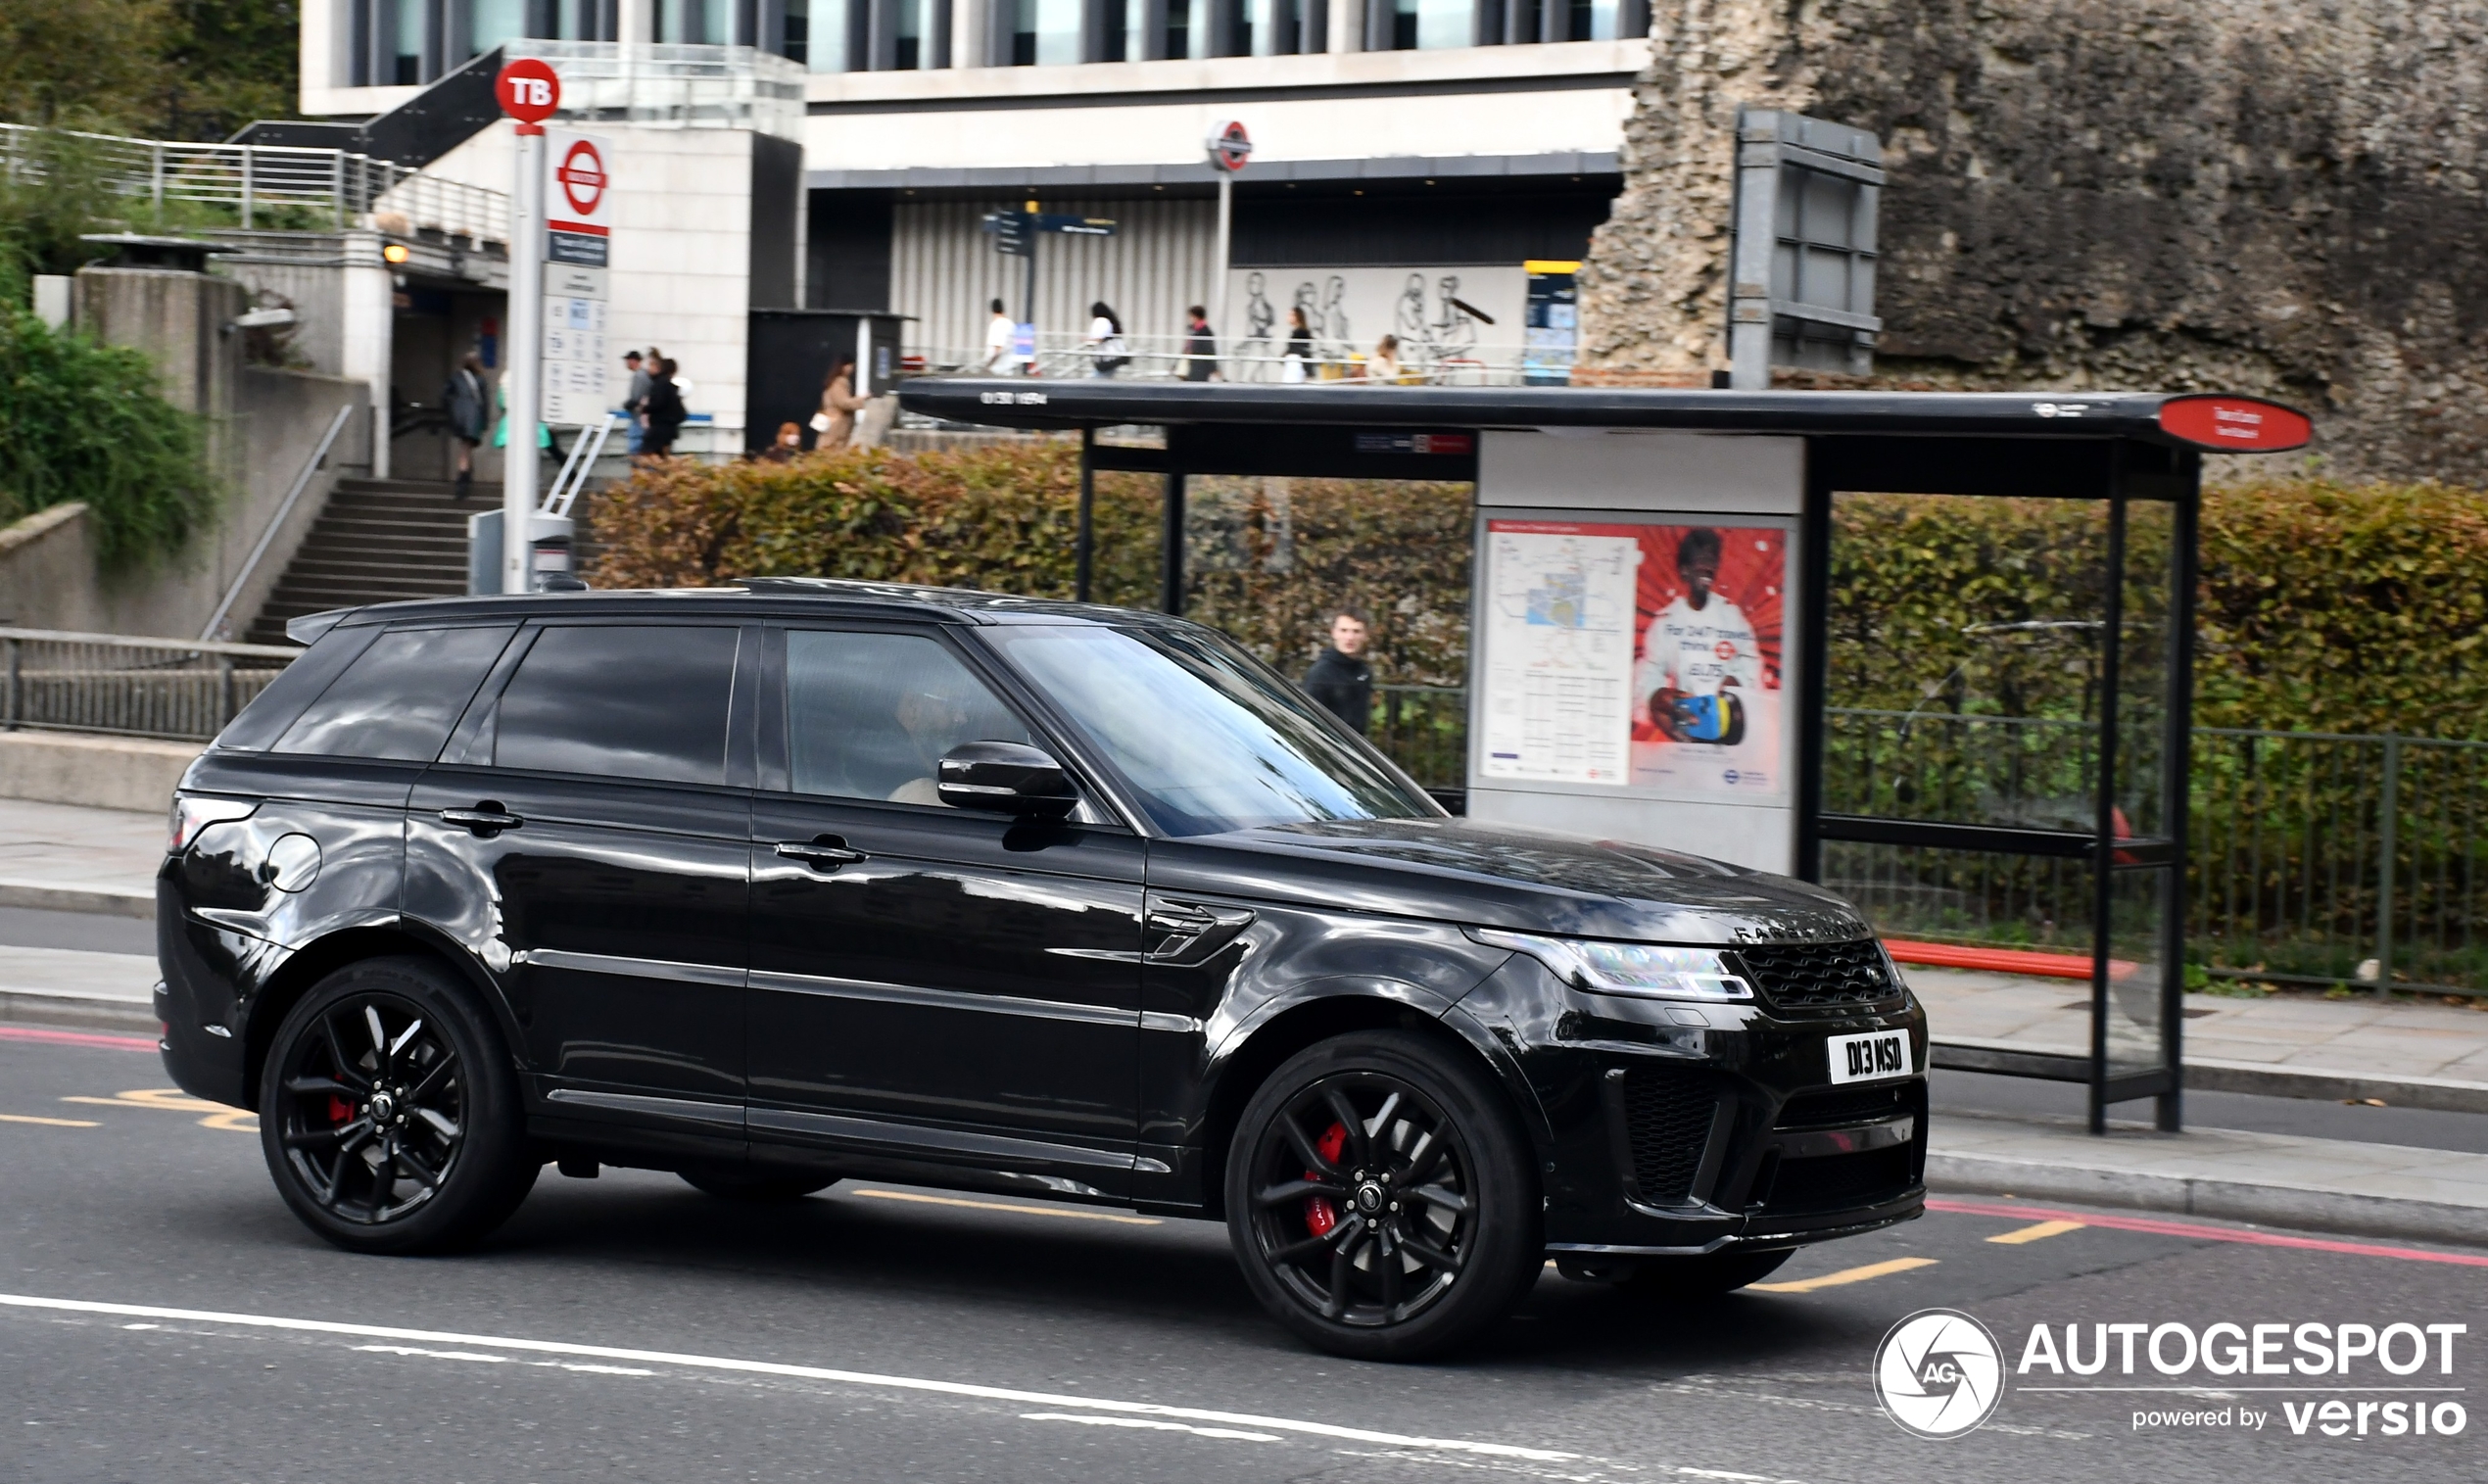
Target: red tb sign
x,y
529,90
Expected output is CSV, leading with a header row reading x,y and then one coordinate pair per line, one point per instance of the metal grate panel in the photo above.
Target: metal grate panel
x,y
1667,1119
1803,975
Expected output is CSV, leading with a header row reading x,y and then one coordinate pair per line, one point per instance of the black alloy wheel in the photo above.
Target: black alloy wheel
x,y
1381,1197
389,1112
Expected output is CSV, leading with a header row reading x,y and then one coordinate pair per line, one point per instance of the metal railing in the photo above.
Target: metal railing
x,y
165,182
184,690
672,84
1162,358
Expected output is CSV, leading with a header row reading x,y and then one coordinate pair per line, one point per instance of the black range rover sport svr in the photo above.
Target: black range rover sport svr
x,y
801,881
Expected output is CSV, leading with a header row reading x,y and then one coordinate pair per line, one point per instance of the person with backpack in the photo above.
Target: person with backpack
x,y
1108,353
665,413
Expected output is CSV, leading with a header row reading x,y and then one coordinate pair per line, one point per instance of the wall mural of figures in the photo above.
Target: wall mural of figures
x,y
1439,313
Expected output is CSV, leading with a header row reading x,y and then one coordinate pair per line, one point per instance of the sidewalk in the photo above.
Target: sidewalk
x,y
2422,1054
102,860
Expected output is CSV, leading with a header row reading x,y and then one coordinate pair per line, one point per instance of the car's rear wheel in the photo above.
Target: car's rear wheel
x,y
729,1185
1381,1197
389,1112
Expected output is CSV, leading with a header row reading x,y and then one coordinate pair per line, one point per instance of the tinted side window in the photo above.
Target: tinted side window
x,y
621,701
870,715
401,699
281,705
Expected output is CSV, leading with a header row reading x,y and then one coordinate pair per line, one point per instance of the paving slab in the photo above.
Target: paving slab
x,y
2430,1195
69,857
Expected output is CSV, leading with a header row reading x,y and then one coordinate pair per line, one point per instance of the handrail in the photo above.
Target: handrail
x,y
302,482
583,459
146,642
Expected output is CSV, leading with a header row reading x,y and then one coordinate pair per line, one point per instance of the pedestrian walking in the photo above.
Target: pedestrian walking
x,y
1200,346
1107,352
835,423
1384,368
1000,335
1296,363
462,398
665,413
789,443
1341,678
636,395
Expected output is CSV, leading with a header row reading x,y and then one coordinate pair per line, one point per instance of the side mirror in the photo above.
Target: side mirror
x,y
1007,778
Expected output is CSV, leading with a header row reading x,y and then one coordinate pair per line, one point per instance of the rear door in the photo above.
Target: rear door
x,y
586,834
928,982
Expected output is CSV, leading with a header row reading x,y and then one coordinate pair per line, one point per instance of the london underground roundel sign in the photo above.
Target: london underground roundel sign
x,y
1229,146
582,176
529,90
2244,424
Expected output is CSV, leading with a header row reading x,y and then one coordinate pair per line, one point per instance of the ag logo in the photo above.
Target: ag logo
x,y
1939,1373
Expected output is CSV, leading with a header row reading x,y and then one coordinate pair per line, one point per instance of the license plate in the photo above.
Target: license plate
x,y
1871,1057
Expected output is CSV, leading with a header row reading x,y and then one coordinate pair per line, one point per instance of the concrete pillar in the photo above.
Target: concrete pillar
x,y
367,322
1347,26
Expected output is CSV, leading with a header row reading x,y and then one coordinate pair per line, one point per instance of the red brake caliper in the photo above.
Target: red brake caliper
x,y
1320,1214
339,1110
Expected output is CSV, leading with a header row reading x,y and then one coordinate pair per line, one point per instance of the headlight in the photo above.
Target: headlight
x,y
1647,970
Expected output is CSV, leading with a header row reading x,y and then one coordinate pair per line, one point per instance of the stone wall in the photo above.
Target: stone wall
x,y
2278,196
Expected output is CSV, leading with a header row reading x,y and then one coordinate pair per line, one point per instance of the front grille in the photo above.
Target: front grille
x,y
1803,975
1666,1122
1834,1106
1840,1180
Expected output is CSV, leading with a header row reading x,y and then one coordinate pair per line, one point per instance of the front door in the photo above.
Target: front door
x,y
586,836
929,982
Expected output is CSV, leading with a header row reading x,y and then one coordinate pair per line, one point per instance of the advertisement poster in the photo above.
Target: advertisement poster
x,y
1635,655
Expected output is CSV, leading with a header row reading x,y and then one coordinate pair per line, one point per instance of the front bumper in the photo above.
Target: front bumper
x,y
1676,1128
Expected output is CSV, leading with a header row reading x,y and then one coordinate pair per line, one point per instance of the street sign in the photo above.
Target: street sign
x,y
579,201
1229,147
1012,232
529,90
1077,226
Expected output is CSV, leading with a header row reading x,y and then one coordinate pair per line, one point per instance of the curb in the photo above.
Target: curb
x,y
32,1007
2321,1084
2297,1206
101,901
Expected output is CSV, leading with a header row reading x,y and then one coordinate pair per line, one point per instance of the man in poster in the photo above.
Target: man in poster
x,y
1698,653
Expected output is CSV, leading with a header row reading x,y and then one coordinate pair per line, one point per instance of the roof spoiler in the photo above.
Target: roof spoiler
x,y
308,629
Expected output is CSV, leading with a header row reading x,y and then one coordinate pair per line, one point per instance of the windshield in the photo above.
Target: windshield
x,y
1209,738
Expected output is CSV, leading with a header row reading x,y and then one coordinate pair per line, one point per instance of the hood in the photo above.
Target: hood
x,y
1507,875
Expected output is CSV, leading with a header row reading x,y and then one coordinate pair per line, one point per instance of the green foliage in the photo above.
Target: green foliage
x,y
167,68
82,421
1003,518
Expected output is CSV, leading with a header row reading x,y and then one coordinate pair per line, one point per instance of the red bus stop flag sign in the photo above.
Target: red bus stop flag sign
x,y
2240,423
529,90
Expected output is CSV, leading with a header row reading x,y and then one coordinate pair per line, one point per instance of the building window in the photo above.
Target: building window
x,y
1045,32
490,22
411,26
695,22
908,48
1593,20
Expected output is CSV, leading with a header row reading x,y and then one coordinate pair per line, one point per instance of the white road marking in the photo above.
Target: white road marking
x,y
797,1372
490,1359
1153,1424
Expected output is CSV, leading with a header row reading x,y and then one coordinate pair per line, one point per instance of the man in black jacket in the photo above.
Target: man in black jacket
x,y
1340,679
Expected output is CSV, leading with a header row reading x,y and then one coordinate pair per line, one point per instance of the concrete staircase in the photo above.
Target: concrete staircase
x,y
377,540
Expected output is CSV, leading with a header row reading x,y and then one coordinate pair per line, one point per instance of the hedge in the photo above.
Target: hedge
x,y
2322,606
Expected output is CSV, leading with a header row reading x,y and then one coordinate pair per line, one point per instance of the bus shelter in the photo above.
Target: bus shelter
x,y
1658,650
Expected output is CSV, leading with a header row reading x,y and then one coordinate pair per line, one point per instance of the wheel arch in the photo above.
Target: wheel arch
x,y
315,961
1263,1048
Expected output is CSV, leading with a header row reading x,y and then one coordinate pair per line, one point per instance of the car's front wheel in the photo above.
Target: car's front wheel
x,y
389,1112
1382,1198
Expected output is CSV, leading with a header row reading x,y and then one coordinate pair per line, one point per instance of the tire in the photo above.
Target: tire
x,y
1713,1273
1317,1184
443,1160
756,1188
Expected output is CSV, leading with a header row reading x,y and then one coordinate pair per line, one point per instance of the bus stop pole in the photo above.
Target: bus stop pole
x,y
1084,539
525,350
1170,548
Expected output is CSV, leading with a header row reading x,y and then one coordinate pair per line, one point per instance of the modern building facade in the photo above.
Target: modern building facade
x,y
1410,155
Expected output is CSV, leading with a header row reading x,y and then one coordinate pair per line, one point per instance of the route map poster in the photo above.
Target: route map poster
x,y
1635,655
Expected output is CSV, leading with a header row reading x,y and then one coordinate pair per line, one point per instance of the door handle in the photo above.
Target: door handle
x,y
486,819
826,853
